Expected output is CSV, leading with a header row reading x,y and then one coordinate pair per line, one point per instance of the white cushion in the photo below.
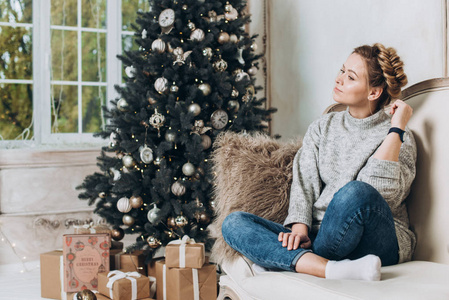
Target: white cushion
x,y
411,280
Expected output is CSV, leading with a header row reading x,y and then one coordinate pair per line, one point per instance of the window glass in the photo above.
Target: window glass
x,y
64,109
16,54
64,12
129,12
16,111
16,11
94,56
93,13
64,55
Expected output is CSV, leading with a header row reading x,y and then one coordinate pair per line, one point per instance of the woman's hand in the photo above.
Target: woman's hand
x,y
297,238
401,112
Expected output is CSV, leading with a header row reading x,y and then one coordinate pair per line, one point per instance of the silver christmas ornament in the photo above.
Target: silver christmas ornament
x,y
191,25
223,37
188,169
157,161
128,161
153,215
146,154
181,221
157,120
158,45
207,52
228,7
161,85
174,89
197,35
184,7
116,174
241,76
253,46
153,242
252,71
128,220
123,205
195,109
234,93
233,105
178,189
170,136
206,141
122,105
130,70
205,88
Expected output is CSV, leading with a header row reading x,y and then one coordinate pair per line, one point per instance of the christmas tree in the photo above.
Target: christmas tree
x,y
191,79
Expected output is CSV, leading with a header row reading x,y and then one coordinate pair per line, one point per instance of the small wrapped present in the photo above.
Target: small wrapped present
x,y
128,261
186,283
91,228
120,285
185,253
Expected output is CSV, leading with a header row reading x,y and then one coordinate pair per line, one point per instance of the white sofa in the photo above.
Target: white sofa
x,y
427,276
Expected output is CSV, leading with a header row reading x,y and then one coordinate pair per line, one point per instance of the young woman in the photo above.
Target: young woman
x,y
347,215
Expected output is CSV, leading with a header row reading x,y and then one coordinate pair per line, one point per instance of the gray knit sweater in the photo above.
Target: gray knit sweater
x,y
337,149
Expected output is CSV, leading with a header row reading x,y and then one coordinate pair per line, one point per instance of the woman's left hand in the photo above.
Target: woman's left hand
x,y
401,112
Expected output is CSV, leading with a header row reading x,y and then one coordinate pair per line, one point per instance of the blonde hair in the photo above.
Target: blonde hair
x,y
385,70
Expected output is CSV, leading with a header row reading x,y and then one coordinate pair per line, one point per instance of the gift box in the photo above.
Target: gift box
x,y
185,253
103,297
84,256
186,283
52,281
120,285
128,261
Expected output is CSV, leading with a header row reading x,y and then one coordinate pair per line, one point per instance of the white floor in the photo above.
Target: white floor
x,y
20,282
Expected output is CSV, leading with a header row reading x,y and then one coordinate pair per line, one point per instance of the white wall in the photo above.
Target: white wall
x,y
310,40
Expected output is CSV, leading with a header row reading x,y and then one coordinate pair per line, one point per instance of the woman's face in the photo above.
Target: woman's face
x,y
351,84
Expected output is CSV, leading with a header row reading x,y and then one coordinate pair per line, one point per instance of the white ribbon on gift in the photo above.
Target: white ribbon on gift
x,y
182,248
86,226
117,275
196,285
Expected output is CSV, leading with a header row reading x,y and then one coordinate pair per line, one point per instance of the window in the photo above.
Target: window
x,y
59,67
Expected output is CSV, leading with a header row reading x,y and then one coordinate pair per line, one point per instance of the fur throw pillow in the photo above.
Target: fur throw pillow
x,y
252,174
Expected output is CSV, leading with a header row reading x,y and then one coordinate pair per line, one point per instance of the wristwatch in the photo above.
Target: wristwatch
x,y
398,131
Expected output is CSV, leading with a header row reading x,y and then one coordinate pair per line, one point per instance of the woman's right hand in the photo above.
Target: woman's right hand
x,y
296,238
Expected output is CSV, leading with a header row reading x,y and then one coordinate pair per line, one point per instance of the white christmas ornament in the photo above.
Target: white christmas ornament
x,y
197,35
178,189
116,173
123,205
128,161
130,70
144,34
158,46
161,85
188,169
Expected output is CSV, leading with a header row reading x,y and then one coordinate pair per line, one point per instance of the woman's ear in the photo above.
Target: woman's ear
x,y
374,93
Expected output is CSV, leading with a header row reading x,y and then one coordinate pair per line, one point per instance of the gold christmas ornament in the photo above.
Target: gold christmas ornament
x,y
206,141
128,220
253,46
223,37
234,93
195,109
102,195
228,7
197,35
252,71
207,52
85,295
171,223
151,100
233,105
233,38
191,25
203,218
136,201
117,234
205,88
220,65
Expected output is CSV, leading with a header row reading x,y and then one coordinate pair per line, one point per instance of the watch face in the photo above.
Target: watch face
x,y
219,119
167,17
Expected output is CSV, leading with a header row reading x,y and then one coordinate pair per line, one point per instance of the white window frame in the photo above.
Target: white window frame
x,y
41,60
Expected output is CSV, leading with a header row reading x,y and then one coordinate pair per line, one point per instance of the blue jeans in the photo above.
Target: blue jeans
x,y
357,222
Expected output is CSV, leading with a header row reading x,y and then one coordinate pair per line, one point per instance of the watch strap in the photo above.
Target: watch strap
x,y
398,131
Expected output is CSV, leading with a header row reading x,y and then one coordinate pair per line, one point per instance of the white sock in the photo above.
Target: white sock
x,y
365,268
258,269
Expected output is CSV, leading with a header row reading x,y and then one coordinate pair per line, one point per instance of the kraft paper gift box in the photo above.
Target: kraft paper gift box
x,y
128,261
185,253
103,297
120,285
52,281
185,283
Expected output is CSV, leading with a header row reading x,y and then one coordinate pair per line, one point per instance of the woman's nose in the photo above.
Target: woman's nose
x,y
339,79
